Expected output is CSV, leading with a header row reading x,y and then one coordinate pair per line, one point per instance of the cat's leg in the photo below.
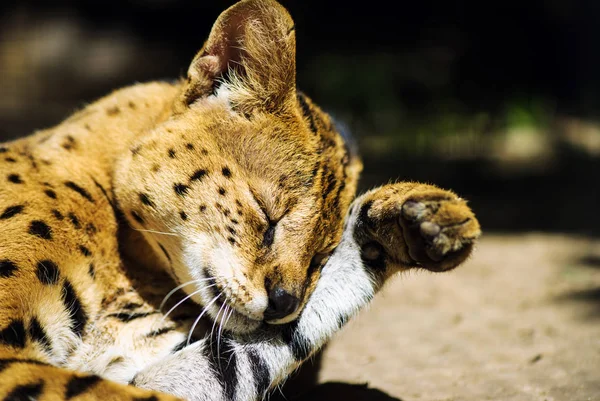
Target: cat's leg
x,y
27,374
31,379
41,322
390,229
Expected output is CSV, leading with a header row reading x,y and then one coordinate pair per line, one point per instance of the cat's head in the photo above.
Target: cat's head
x,y
244,187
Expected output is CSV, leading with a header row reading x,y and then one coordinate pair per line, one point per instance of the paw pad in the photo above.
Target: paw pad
x,y
413,210
429,230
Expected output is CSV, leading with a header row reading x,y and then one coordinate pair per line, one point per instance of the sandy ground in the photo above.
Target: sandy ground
x,y
519,321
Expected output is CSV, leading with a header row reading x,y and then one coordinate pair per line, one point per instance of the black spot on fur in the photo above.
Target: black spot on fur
x,y
90,229
3,149
179,347
37,333
231,240
11,211
260,371
15,178
25,392
57,214
40,229
129,316
189,146
341,321
171,153
137,217
131,306
33,162
331,182
79,385
222,191
165,252
104,192
14,334
5,362
73,305
226,172
50,193
47,272
85,251
149,398
299,345
198,175
363,215
306,111
81,191
113,111
136,150
160,332
11,160
92,271
223,361
202,208
181,189
69,142
183,215
7,268
145,199
74,221
234,221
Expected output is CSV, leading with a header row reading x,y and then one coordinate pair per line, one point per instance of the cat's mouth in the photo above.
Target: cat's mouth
x,y
225,303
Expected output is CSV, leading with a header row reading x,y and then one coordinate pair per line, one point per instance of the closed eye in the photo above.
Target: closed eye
x,y
269,234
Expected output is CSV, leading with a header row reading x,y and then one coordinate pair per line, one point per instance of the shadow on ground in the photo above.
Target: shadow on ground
x,y
588,300
303,387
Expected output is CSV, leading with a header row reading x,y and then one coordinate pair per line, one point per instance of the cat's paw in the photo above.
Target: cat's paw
x,y
421,225
439,231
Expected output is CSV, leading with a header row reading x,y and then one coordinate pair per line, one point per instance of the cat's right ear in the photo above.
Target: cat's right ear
x,y
252,49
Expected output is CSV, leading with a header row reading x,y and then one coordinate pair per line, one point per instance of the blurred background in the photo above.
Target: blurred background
x,y
498,100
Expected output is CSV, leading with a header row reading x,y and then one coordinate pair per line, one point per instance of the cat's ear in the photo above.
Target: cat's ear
x,y
252,50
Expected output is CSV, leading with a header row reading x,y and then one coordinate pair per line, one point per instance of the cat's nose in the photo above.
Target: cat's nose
x,y
281,304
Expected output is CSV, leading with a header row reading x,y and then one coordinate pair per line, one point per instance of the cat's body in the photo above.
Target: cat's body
x,y
231,184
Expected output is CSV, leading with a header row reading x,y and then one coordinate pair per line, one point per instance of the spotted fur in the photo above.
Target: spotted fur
x,y
228,183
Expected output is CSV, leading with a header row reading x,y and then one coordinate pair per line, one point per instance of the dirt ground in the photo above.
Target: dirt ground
x,y
519,321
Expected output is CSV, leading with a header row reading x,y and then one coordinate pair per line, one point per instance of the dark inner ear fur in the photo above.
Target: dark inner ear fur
x,y
253,39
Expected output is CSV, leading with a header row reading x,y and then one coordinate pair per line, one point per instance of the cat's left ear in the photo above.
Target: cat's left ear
x,y
252,50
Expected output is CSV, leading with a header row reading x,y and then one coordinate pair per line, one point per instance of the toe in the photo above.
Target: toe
x,y
412,210
429,230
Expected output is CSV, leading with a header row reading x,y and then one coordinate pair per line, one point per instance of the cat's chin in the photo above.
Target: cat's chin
x,y
238,323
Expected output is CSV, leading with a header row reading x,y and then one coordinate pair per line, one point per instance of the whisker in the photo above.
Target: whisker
x,y
228,312
200,316
183,300
212,330
174,290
